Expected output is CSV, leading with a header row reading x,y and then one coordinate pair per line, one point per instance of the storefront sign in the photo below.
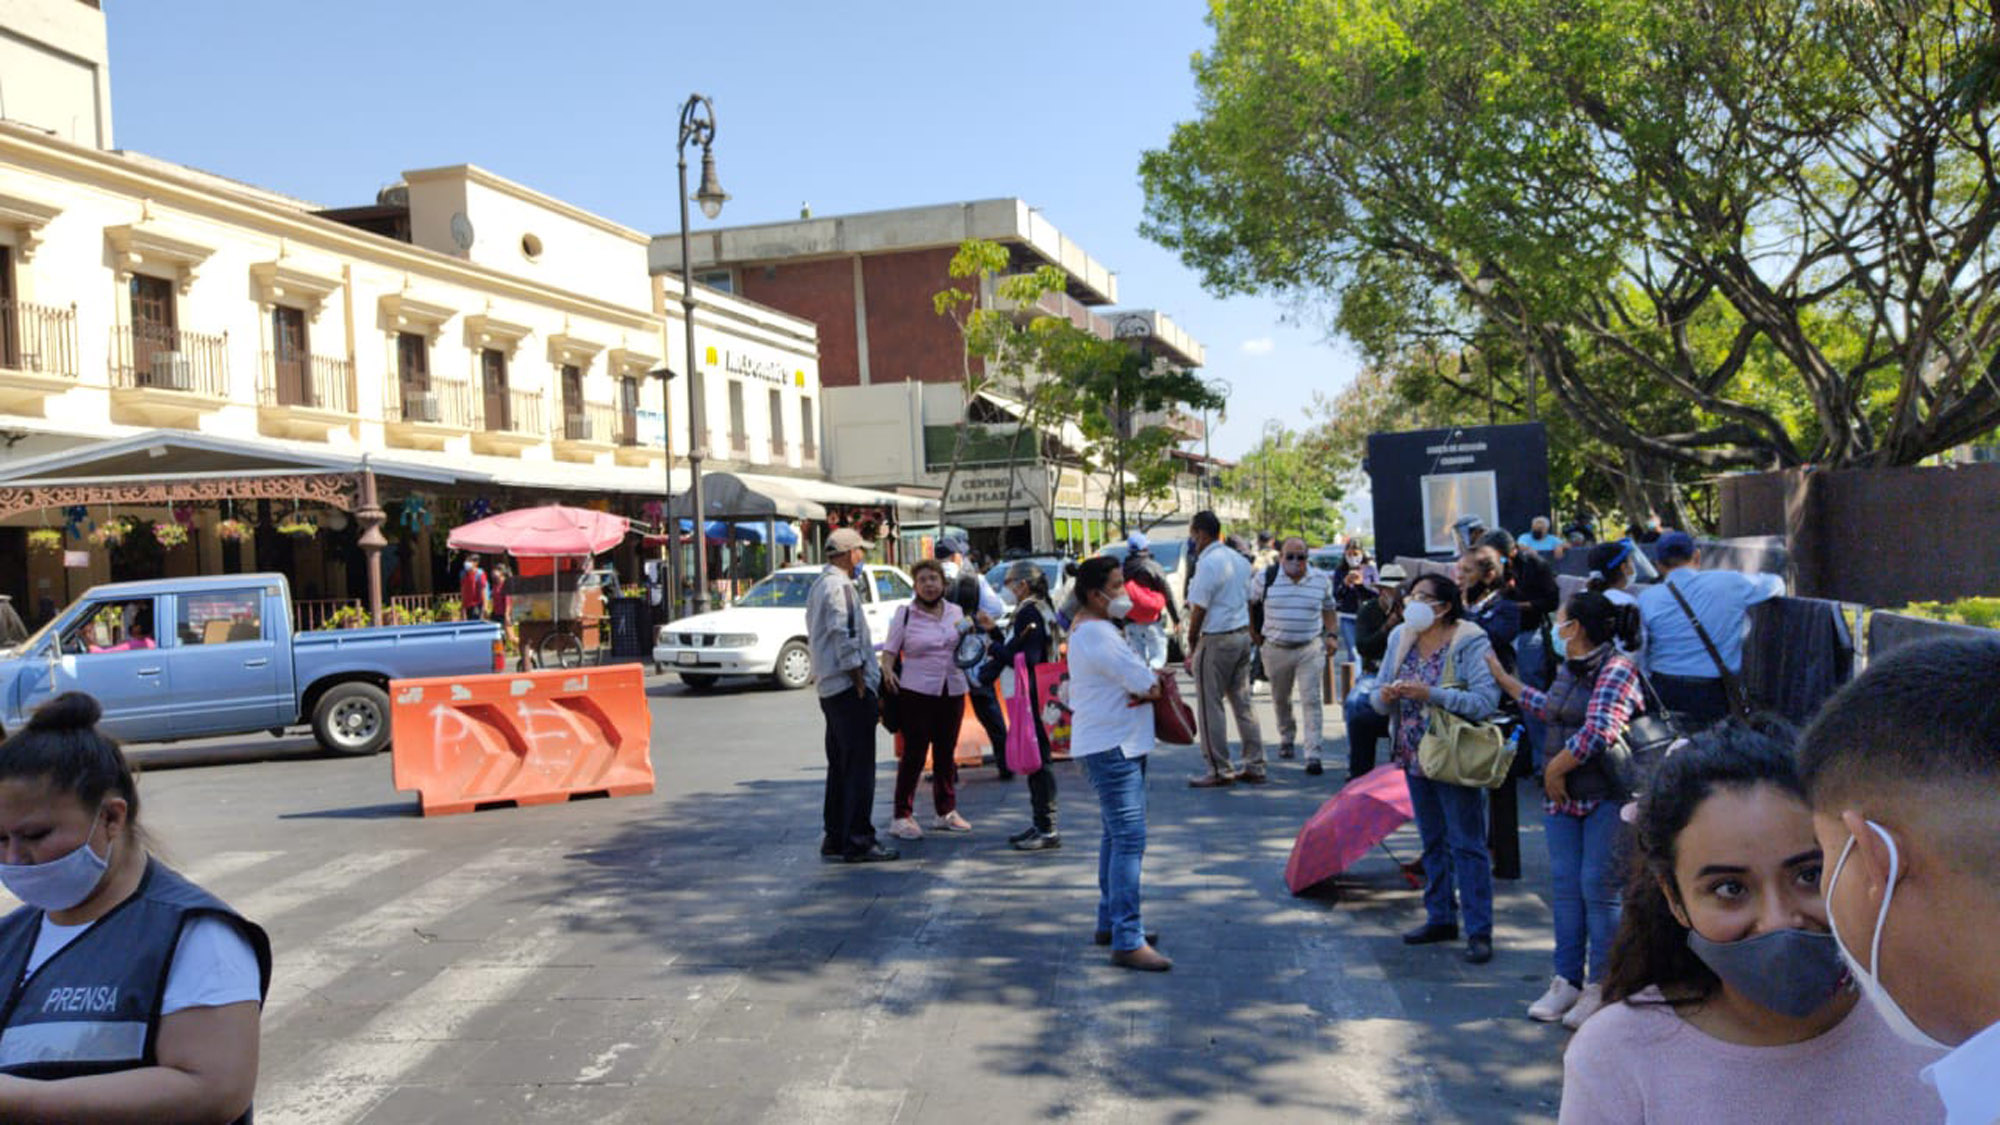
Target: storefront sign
x,y
987,490
652,427
743,363
76,560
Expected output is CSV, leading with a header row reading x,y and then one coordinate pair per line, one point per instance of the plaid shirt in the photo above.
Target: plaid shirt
x,y
1614,699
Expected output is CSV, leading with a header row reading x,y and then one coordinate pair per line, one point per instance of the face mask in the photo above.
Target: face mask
x,y
1007,597
1120,606
1419,616
1898,1020
1792,972
950,571
60,883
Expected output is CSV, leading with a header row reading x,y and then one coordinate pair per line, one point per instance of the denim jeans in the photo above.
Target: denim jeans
x,y
1583,868
1451,821
1121,797
1350,628
1365,728
1149,641
1528,654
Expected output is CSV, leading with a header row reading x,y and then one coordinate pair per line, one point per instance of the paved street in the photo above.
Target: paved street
x,y
686,957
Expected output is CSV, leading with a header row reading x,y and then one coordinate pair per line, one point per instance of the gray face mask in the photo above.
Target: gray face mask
x,y
1792,972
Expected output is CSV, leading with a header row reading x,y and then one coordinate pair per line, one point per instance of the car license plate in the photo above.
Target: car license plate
x,y
684,658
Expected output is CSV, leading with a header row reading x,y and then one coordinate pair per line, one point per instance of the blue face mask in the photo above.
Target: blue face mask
x,y
1791,972
62,883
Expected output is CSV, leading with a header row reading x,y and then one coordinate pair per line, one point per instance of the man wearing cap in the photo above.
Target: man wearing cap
x,y
1376,619
1682,669
849,679
1145,626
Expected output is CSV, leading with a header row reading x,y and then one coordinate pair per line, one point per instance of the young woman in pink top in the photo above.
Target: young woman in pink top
x,y
931,692
1726,998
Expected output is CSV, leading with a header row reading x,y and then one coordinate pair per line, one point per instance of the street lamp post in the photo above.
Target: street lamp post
x,y
698,125
669,524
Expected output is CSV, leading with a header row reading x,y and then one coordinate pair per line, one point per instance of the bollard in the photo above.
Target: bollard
x,y
473,742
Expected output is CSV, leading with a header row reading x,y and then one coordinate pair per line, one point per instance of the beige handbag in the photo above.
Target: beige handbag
x,y
1458,751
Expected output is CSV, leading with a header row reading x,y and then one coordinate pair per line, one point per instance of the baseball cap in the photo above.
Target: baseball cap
x,y
843,540
1391,575
1676,545
1136,541
947,546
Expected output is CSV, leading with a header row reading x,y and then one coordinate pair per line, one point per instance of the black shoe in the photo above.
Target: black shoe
x,y
1430,933
1006,775
875,854
829,850
1103,937
1257,778
1479,950
1314,768
1025,834
1038,842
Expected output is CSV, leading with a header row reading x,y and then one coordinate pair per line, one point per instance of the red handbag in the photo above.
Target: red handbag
x,y
1173,719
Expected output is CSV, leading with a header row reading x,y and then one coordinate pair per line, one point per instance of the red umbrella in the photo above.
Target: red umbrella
x,y
547,532
1351,822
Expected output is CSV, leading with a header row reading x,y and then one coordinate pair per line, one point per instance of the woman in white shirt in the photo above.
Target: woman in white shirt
x,y
133,994
1111,732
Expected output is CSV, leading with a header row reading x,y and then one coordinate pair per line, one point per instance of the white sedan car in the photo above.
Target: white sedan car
x,y
764,633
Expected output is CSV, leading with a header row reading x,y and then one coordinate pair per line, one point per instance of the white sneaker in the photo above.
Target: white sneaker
x,y
951,822
1557,1001
905,828
1585,1007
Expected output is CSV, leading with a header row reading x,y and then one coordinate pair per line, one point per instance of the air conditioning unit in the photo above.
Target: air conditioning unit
x,y
170,371
576,427
420,406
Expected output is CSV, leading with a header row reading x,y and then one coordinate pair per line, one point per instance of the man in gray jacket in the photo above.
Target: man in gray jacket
x,y
849,678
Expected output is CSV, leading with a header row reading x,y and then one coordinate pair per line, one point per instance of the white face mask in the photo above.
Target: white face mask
x,y
1120,606
1419,615
1898,1020
1007,597
950,571
60,883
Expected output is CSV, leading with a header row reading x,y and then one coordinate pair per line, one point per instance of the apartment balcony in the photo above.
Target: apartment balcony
x,y
509,422
428,416
588,429
37,355
167,377
304,396
630,450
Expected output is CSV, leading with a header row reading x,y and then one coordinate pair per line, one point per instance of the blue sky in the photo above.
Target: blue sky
x,y
848,106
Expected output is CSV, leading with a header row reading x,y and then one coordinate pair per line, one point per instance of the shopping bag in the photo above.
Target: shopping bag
x,y
1024,751
1052,688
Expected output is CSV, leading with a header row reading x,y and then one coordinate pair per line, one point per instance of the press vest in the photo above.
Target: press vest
x,y
94,1007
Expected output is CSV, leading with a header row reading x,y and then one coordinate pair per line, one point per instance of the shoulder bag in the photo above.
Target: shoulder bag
x,y
1173,719
1625,765
1457,751
892,707
1731,685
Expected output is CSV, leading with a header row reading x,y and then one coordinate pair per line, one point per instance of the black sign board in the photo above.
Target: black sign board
x,y
1424,480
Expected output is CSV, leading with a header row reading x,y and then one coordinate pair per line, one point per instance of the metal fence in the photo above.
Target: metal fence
x,y
38,338
313,382
152,357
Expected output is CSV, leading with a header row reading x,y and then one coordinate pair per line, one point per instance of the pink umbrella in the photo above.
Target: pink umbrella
x,y
1351,822
552,531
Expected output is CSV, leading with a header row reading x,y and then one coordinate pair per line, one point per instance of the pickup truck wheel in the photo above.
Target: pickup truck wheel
x,y
795,669
699,681
352,719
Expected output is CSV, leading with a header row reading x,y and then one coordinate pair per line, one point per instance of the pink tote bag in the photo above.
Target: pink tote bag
x,y
1024,753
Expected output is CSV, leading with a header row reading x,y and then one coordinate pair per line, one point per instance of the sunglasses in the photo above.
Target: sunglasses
x,y
1295,558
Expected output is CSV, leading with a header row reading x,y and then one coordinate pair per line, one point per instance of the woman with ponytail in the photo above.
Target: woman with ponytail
x,y
1595,694
133,995
1613,569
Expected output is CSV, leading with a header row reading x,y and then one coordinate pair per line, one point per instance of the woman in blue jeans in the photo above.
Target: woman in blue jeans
x,y
1451,819
1595,694
1111,732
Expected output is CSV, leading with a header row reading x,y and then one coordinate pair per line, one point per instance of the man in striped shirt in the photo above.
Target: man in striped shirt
x,y
1299,610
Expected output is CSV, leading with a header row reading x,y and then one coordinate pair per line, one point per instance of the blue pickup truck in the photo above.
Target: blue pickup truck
x,y
183,658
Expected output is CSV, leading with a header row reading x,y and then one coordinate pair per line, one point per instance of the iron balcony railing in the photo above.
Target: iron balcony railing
x,y
313,382
443,402
588,421
38,338
513,412
152,357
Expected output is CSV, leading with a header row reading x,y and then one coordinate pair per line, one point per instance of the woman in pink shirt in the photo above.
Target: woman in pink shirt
x,y
930,690
1727,999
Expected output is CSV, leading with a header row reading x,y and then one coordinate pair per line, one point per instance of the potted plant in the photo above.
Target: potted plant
x,y
299,525
111,532
232,530
169,534
47,540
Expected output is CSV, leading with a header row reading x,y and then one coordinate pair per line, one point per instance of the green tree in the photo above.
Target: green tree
x,y
1745,236
1290,486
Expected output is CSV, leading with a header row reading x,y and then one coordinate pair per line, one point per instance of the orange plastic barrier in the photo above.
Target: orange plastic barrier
x,y
532,738
973,745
